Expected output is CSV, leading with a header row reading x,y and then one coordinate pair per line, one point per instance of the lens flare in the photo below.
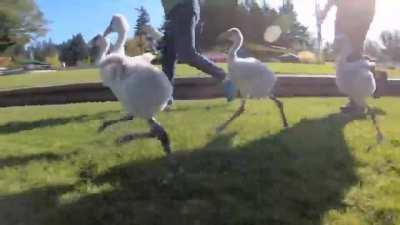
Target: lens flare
x,y
272,33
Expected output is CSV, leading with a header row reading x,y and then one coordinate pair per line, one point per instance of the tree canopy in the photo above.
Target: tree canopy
x,y
142,20
253,18
74,50
391,43
20,22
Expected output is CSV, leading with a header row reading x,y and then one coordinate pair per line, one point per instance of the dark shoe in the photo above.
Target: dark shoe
x,y
171,101
229,90
351,107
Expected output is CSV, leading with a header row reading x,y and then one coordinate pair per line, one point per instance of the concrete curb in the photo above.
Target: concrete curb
x,y
185,89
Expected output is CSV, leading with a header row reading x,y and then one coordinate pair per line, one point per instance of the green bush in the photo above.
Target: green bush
x,y
54,61
307,57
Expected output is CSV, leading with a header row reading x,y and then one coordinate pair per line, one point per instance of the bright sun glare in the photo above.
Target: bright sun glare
x,y
387,17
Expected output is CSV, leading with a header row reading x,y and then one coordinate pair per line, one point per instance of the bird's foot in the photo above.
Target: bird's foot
x,y
352,108
132,137
285,125
171,101
219,130
175,171
125,139
102,127
168,108
112,122
174,165
379,138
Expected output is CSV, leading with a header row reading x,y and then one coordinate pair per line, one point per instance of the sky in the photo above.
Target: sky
x,y
90,17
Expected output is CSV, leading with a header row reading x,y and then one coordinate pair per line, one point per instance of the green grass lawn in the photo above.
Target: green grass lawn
x,y
394,73
55,169
92,75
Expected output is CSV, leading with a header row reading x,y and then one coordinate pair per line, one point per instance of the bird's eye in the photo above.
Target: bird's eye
x,y
112,22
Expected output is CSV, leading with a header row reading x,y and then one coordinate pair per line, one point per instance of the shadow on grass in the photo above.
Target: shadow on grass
x,y
183,108
19,126
22,160
293,177
27,208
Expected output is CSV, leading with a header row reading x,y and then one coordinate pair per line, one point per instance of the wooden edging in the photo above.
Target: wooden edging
x,y
185,89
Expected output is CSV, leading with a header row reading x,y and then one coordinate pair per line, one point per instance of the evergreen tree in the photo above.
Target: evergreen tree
x,y
293,32
42,50
216,19
142,20
253,18
74,50
259,18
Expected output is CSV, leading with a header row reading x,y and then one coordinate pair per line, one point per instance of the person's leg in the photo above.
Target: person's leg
x,y
185,21
357,38
355,23
340,28
357,31
168,52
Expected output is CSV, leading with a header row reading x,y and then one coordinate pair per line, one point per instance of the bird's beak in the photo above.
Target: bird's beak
x,y
107,31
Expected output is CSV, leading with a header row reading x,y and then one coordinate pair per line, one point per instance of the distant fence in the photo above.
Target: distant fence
x,y
185,89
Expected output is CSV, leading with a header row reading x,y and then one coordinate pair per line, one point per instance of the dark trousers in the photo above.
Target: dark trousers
x,y
180,42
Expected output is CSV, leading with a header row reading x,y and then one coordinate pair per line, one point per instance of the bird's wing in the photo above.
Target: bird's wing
x,y
146,57
116,59
251,68
115,66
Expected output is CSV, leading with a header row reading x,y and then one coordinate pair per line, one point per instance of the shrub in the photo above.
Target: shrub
x,y
54,61
6,62
136,46
307,57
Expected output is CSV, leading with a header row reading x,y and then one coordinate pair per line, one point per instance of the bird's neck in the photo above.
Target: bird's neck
x,y
237,44
102,53
120,44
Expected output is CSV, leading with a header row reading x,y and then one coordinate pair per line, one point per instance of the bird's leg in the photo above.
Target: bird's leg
x,y
159,132
132,137
239,112
112,122
279,104
156,131
379,135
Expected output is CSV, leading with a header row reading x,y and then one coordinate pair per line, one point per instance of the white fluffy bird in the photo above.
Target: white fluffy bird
x,y
119,24
355,79
250,76
142,89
